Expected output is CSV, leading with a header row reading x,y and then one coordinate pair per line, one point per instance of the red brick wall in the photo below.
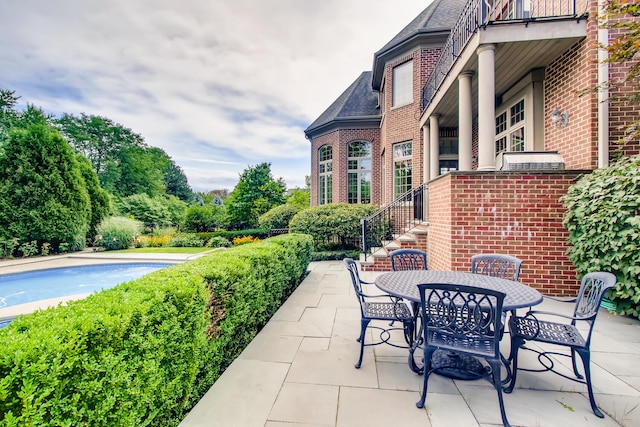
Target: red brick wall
x,y
339,140
621,112
573,71
503,212
566,78
401,124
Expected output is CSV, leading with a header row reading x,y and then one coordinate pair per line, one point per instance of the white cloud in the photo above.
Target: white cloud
x,y
230,82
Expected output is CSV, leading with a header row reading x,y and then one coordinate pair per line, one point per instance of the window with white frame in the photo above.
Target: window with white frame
x,y
325,175
402,85
359,173
510,128
402,167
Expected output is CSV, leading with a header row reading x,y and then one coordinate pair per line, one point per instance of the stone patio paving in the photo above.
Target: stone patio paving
x,y
298,372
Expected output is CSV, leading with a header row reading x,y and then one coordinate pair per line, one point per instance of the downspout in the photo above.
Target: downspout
x,y
603,93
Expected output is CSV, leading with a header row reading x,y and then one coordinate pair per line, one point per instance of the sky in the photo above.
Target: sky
x,y
219,85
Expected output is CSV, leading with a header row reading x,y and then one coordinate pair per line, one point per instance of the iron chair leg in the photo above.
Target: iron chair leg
x,y
516,343
363,330
497,384
585,356
425,375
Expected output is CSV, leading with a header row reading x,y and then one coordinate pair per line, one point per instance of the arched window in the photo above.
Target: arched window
x,y
325,180
359,172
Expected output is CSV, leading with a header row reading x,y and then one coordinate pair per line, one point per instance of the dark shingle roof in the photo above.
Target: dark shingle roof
x,y
439,15
436,20
358,102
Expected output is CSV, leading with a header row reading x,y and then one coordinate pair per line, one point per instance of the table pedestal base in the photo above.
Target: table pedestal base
x,y
456,366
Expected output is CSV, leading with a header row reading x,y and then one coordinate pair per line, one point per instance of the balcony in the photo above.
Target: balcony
x,y
483,15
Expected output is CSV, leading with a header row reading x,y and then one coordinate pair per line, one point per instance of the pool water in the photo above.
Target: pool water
x,y
21,288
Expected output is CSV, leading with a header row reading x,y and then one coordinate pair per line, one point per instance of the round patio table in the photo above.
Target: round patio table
x,y
404,284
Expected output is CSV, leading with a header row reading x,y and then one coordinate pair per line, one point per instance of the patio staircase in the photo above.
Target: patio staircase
x,y
400,224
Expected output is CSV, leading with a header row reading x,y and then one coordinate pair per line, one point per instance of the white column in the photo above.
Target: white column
x,y
465,121
486,107
425,154
434,141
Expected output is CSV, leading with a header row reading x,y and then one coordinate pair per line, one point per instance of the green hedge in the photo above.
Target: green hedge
x,y
144,352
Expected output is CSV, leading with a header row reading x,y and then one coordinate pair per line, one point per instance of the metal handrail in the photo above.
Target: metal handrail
x,y
480,13
406,211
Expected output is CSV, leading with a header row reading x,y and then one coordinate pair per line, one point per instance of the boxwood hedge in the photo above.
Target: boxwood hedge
x,y
144,352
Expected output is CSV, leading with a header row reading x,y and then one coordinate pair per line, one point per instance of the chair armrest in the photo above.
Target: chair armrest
x,y
550,313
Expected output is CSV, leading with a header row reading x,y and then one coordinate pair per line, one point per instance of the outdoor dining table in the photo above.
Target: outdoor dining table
x,y
404,284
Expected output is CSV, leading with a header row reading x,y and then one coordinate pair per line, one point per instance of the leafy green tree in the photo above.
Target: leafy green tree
x,y
176,182
160,210
8,114
256,193
98,138
199,218
299,197
43,196
99,198
139,173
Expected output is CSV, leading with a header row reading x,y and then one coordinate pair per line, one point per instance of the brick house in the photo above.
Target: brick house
x,y
477,107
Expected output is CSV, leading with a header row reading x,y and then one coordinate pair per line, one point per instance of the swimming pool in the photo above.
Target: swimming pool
x,y
22,288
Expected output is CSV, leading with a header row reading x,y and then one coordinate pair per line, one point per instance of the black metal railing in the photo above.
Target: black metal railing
x,y
480,13
403,213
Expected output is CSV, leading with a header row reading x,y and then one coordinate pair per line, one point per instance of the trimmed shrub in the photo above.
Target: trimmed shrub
x,y
117,232
603,219
203,218
144,352
186,240
278,217
332,225
219,242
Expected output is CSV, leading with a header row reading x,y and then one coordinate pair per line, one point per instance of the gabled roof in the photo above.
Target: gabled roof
x,y
359,103
435,21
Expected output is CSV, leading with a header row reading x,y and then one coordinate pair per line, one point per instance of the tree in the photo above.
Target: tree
x,y
256,192
43,196
622,19
98,138
8,114
138,173
100,203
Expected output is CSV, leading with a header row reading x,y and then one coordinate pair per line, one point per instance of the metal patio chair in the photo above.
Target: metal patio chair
x,y
408,259
379,307
462,319
530,328
496,265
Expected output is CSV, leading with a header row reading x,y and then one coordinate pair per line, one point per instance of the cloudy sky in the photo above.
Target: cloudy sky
x,y
220,85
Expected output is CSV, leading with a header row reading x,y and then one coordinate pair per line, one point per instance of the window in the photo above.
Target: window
x,y
325,178
448,154
402,168
359,174
402,84
510,128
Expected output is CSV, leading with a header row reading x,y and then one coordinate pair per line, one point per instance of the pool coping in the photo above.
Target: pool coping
x,y
78,259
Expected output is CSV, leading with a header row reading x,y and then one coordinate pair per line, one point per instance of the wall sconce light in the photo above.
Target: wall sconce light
x,y
558,118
